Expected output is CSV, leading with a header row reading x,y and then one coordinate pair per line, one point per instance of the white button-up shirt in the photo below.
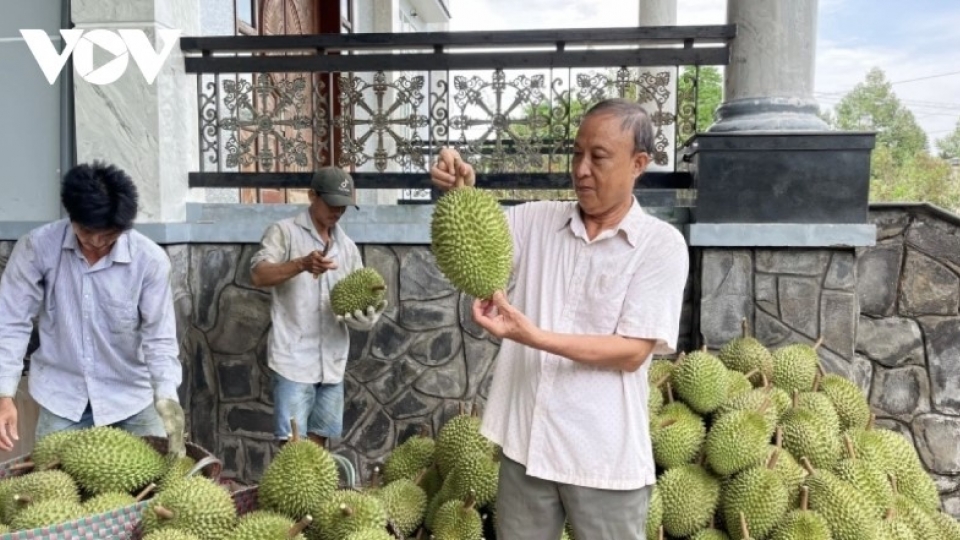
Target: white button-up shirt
x,y
565,421
306,343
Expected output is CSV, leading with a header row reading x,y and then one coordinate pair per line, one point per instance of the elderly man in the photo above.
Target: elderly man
x,y
599,289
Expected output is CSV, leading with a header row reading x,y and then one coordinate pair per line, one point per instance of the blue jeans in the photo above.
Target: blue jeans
x,y
145,422
319,407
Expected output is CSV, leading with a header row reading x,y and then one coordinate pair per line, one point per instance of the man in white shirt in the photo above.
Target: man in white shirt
x,y
598,290
300,260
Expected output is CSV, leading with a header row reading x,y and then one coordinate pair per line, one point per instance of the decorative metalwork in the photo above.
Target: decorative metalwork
x,y
687,92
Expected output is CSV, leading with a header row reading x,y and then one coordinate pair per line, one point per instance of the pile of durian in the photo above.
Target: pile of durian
x,y
761,444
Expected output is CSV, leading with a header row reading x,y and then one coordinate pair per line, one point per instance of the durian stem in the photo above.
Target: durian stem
x,y
146,491
764,380
375,478
419,534
820,369
461,407
891,513
804,498
668,422
765,405
424,430
704,348
163,513
752,373
470,501
475,410
420,476
680,359
818,343
744,327
660,533
816,382
294,432
669,393
346,510
744,530
24,499
871,422
796,398
52,465
772,462
893,483
299,526
848,443
805,463
22,466
778,437
662,380
378,288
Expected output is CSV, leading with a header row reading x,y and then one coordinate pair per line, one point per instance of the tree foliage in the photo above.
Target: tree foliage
x,y
949,146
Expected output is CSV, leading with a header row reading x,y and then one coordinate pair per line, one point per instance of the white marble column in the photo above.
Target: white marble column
x,y
149,130
664,100
769,82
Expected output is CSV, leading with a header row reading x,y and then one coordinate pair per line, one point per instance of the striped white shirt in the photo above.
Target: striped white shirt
x,y
107,331
566,421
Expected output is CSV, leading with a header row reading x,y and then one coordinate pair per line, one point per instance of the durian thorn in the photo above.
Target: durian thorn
x,y
146,491
163,513
805,463
891,513
24,499
669,393
772,462
744,530
294,431
471,500
848,443
299,526
346,510
22,466
818,343
796,398
778,437
872,421
804,498
893,483
816,382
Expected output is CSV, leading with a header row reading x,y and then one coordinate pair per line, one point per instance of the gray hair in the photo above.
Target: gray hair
x,y
632,117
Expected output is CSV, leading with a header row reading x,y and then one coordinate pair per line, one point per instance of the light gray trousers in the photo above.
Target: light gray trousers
x,y
530,508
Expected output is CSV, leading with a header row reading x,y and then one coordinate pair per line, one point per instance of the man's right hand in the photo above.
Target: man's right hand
x,y
8,424
451,171
315,263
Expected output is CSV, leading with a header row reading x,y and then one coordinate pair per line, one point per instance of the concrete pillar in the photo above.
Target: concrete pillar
x,y
149,130
660,13
769,82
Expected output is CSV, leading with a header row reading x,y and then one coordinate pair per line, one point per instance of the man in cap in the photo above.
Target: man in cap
x,y
300,259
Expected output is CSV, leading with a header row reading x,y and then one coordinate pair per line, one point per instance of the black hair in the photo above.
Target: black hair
x,y
99,197
633,117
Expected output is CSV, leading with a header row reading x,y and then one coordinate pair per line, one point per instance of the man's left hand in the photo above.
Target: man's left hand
x,y
363,321
171,413
502,320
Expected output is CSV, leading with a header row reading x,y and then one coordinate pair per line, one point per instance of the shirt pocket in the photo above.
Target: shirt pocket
x,y
120,317
599,308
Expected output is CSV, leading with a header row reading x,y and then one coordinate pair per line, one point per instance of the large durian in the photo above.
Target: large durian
x,y
359,290
104,459
471,240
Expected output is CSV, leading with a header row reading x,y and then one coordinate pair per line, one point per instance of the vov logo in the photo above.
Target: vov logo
x,y
80,43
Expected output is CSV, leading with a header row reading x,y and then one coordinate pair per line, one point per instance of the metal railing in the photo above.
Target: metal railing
x,y
274,108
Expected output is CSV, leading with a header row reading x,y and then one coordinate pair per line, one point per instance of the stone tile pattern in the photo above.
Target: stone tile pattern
x,y
888,315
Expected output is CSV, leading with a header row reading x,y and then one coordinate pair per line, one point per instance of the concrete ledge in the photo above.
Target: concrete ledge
x,y
781,235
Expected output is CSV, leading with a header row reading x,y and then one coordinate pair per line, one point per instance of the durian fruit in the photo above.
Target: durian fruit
x,y
918,520
892,528
471,240
849,402
46,451
947,525
753,399
171,534
677,435
689,496
300,477
361,289
710,533
654,514
845,511
738,383
475,473
405,503
103,459
821,406
45,513
805,434
409,458
869,479
660,372
107,502
176,469
33,488
746,354
790,471
758,494
796,366
458,437
195,504
458,520
268,525
700,380
371,534
802,524
738,440
345,512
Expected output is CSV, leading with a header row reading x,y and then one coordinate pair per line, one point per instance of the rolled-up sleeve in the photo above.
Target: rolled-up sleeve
x,y
21,293
273,247
159,331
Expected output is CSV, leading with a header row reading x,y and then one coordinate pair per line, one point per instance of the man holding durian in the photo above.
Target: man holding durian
x,y
598,288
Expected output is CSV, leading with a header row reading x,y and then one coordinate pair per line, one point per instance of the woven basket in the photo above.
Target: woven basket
x,y
119,524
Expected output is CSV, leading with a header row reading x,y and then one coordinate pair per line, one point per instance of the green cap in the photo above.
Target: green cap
x,y
334,186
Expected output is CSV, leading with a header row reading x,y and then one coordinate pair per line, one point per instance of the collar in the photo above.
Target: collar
x,y
304,221
120,253
629,226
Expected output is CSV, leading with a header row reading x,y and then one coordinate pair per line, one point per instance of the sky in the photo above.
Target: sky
x,y
921,41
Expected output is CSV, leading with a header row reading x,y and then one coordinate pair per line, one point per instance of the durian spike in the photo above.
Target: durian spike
x,y
818,343
163,513
294,432
22,466
146,491
471,500
805,463
871,422
299,526
848,443
772,462
346,510
891,513
804,498
669,393
24,499
816,382
744,530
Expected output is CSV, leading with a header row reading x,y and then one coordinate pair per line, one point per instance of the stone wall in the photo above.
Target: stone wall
x,y
888,315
